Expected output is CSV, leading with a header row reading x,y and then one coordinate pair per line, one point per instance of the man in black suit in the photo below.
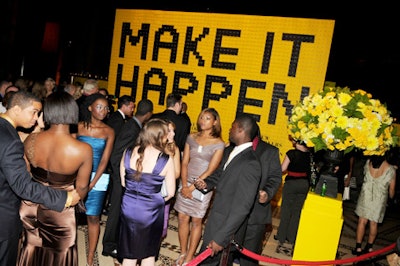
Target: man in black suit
x,y
127,137
185,115
15,181
116,120
261,214
172,113
125,109
236,180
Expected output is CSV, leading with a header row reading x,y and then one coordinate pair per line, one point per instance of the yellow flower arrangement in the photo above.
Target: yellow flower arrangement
x,y
338,118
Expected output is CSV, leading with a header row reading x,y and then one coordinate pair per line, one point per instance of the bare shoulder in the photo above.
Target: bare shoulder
x,y
109,130
30,138
80,147
218,140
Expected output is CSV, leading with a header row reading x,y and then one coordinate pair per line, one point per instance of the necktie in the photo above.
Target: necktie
x,y
231,155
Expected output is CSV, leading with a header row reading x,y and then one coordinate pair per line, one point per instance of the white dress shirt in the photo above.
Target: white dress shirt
x,y
236,151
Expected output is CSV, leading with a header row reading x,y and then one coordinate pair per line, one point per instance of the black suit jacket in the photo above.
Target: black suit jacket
x,y
271,179
182,126
16,184
126,138
235,193
116,121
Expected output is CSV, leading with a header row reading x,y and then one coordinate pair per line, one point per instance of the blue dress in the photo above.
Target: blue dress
x,y
95,198
142,212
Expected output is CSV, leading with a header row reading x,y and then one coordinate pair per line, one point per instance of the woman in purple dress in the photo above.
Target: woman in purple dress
x,y
143,169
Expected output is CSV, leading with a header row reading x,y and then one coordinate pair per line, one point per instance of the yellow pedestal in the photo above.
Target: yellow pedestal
x,y
320,227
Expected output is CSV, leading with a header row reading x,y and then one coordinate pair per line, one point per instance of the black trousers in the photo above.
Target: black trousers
x,y
253,241
111,232
9,251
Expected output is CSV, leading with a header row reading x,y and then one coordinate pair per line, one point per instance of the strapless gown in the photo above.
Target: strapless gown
x,y
49,236
142,212
95,198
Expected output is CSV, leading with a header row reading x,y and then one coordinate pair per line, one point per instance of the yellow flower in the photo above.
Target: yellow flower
x,y
342,119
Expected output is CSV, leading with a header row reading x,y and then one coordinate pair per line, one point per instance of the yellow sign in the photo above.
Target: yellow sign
x,y
235,63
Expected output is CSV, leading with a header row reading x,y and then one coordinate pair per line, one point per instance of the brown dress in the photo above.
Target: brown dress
x,y
49,237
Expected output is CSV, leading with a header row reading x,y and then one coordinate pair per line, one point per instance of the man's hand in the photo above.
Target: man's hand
x,y
75,197
263,196
215,248
200,184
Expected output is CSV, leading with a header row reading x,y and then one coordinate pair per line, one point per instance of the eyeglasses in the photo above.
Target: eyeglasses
x,y
100,107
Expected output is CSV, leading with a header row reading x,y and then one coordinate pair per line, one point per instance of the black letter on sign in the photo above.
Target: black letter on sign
x,y
267,53
297,40
222,50
212,96
242,101
125,83
161,86
173,45
127,32
279,93
191,79
191,46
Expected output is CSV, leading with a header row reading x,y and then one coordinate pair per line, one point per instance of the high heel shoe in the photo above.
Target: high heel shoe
x,y
180,259
357,250
367,248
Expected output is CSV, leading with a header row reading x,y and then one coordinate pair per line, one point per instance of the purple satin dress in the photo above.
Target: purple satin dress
x,y
142,212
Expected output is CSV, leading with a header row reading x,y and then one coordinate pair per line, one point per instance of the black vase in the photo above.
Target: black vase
x,y
332,159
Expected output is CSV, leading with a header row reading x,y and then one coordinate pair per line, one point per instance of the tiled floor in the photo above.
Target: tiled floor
x,y
388,233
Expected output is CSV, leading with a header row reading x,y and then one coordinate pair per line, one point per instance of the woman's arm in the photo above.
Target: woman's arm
x,y
285,164
105,157
392,185
170,179
122,169
184,171
83,176
173,151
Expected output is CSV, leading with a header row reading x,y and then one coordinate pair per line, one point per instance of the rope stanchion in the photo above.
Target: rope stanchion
x,y
206,253
255,256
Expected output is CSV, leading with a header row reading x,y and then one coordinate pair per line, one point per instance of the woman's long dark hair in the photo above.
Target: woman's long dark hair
x,y
152,133
85,114
376,160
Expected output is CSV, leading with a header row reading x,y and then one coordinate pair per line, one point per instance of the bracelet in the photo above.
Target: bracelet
x,y
69,199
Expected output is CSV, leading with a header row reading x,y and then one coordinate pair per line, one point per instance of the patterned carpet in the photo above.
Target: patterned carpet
x,y
388,232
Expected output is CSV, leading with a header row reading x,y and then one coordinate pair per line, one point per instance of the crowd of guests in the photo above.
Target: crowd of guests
x,y
64,151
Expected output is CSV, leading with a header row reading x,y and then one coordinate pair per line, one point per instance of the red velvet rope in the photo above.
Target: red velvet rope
x,y
202,256
199,258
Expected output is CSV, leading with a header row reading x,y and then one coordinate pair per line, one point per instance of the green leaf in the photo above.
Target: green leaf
x,y
340,133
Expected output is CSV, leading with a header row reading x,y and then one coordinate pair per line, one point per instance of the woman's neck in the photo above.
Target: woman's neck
x,y
59,129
